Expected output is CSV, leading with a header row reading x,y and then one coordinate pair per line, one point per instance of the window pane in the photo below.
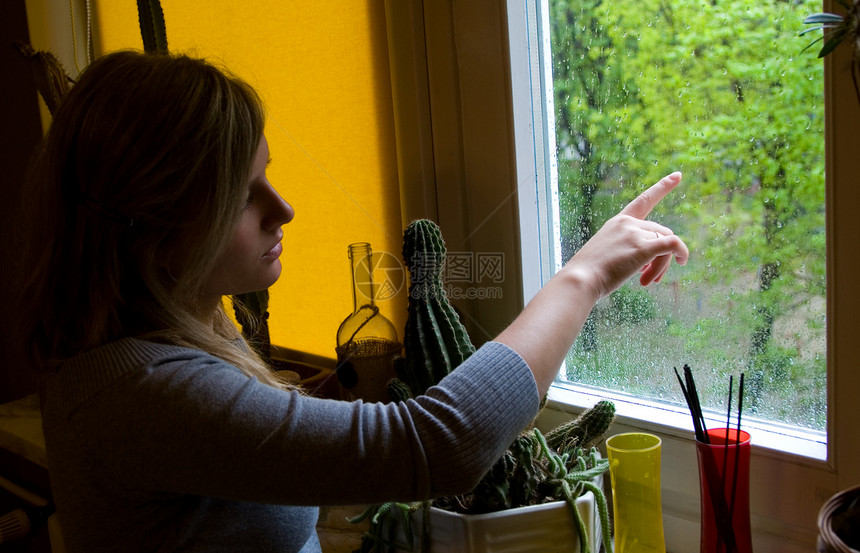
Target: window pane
x,y
722,91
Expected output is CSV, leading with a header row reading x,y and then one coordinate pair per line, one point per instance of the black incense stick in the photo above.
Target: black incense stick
x,y
689,404
728,432
692,404
737,447
729,409
696,407
740,407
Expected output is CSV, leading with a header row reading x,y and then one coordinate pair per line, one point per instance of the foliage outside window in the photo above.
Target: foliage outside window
x,y
721,91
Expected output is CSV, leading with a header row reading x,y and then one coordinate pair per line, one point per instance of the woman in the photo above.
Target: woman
x,y
164,431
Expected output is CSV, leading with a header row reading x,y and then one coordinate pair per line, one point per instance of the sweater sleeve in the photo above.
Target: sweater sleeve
x,y
189,423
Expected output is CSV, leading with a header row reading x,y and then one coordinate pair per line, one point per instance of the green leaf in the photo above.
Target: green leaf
x,y
813,29
813,43
824,18
836,38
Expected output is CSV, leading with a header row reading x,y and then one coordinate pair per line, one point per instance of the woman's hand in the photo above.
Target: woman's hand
x,y
545,330
628,243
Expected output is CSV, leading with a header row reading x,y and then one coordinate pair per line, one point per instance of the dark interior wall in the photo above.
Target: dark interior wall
x,y
20,132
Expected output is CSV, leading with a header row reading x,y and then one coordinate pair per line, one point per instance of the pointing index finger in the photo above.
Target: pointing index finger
x,y
645,202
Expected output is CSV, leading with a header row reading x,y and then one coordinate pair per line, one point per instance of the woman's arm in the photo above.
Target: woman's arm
x,y
544,332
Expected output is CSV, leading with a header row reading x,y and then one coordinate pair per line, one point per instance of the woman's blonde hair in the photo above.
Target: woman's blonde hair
x,y
137,189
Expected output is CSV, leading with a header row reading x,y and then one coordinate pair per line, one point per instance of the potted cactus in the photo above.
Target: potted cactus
x,y
545,487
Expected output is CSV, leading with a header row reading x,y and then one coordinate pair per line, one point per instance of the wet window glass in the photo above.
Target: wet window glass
x,y
722,91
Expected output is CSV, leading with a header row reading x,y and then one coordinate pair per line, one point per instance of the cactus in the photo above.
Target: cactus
x,y
513,480
51,80
49,76
383,537
572,474
398,390
584,430
435,341
152,28
530,473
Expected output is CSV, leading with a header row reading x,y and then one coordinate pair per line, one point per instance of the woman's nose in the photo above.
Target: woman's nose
x,y
280,212
289,212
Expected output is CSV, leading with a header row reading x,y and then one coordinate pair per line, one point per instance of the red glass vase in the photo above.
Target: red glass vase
x,y
724,483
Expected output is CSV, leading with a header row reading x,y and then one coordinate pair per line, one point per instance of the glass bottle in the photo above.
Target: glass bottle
x,y
366,340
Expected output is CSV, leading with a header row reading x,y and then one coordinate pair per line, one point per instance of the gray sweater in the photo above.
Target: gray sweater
x,y
154,447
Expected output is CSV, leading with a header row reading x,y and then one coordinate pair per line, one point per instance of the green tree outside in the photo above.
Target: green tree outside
x,y
721,91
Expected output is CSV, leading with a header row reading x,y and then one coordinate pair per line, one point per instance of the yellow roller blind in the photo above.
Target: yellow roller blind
x,y
322,70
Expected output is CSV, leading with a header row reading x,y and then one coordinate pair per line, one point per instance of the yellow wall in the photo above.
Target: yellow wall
x,y
322,69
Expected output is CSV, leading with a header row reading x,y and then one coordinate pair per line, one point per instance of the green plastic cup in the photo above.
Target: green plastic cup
x,y
634,468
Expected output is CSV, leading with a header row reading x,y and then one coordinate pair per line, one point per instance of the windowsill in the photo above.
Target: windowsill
x,y
769,439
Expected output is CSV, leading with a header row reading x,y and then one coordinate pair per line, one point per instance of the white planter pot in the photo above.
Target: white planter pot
x,y
546,528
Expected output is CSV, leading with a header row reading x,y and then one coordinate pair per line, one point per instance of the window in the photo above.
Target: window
x,y
796,466
717,91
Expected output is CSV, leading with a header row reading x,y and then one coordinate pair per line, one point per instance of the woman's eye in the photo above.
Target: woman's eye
x,y
248,201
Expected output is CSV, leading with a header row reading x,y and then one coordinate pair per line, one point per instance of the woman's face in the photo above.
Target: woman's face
x,y
251,261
